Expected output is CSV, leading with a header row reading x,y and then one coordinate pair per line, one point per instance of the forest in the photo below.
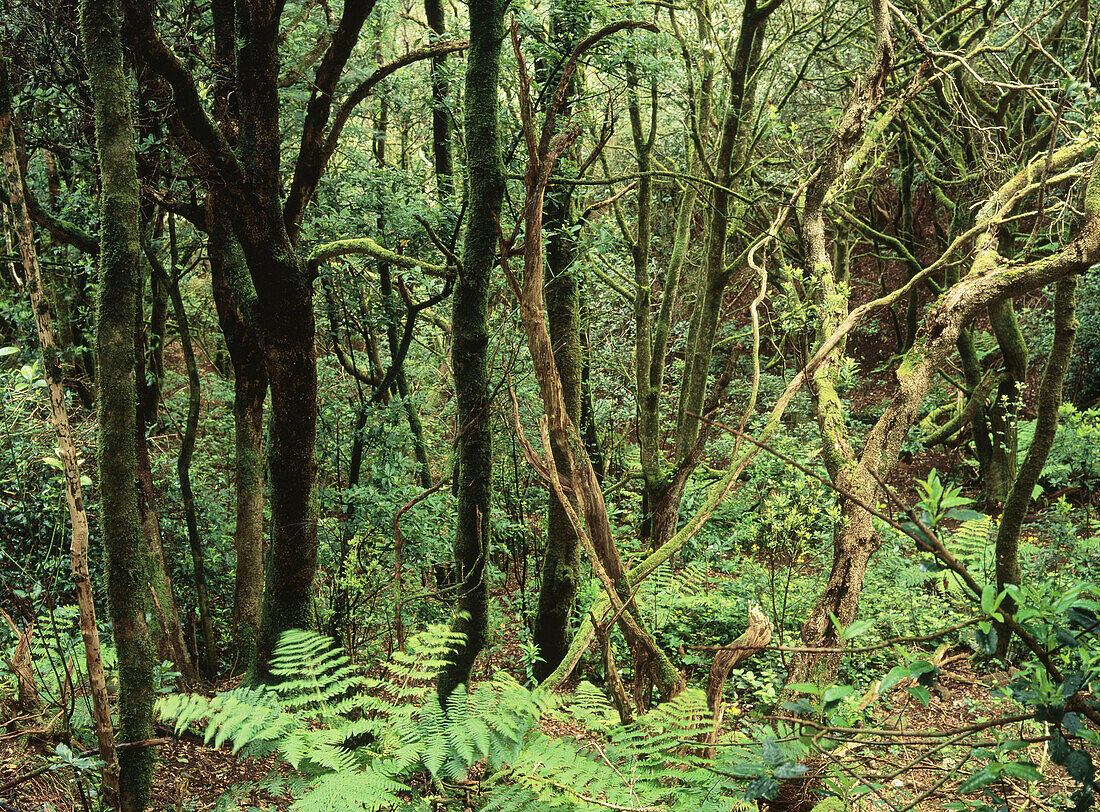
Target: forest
x,y
592,405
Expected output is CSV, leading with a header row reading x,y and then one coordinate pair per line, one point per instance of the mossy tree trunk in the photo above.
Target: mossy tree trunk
x,y
166,630
991,279
561,562
854,538
235,301
229,276
664,490
470,336
286,330
128,574
246,162
1046,426
1002,415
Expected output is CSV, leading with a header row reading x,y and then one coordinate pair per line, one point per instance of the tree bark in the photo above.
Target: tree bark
x,y
249,393
1001,472
991,279
561,562
561,436
470,337
755,638
441,116
127,564
74,497
170,282
1046,426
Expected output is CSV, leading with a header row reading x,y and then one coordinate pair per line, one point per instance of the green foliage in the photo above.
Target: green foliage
x,y
355,738
1074,458
387,743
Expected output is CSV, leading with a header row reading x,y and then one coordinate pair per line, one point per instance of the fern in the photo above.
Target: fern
x,y
319,717
365,744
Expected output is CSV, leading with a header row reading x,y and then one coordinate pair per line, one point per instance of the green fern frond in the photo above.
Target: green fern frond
x,y
348,790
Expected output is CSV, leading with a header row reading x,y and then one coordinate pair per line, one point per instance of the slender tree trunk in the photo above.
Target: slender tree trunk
x,y
1001,472
562,560
441,116
127,563
154,357
470,337
170,283
166,631
231,283
559,433
67,451
1046,426
715,275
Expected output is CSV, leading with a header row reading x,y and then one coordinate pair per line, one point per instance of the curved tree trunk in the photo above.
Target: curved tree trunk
x,y
166,632
170,282
1046,426
1001,472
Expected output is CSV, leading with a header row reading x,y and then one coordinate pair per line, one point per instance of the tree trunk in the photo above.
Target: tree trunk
x,y
286,331
291,565
441,116
170,282
1001,472
127,563
1046,426
755,638
229,276
470,337
67,451
167,632
561,562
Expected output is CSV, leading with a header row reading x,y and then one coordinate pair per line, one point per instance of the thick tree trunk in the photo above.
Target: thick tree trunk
x,y
127,563
470,337
288,342
286,331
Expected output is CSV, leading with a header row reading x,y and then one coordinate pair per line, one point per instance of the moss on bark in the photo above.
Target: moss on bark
x,y
470,332
128,572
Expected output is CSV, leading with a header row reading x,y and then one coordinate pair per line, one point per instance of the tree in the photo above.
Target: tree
x,y
119,242
473,458
67,450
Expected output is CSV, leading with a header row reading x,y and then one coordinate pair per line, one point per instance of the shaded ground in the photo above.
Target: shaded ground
x,y
917,772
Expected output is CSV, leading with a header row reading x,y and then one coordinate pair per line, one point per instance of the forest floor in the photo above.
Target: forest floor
x,y
193,776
